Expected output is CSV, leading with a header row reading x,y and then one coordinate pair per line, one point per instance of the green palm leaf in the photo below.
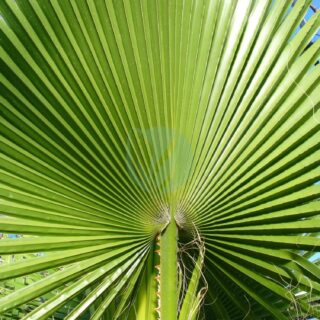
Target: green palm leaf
x,y
159,159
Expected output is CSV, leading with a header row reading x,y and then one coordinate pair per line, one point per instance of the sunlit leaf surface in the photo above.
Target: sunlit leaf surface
x,y
117,116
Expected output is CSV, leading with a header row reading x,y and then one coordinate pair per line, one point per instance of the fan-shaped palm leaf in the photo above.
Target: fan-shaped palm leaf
x,y
162,156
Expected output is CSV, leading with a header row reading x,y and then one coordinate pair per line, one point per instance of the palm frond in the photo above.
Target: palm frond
x,y
127,122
